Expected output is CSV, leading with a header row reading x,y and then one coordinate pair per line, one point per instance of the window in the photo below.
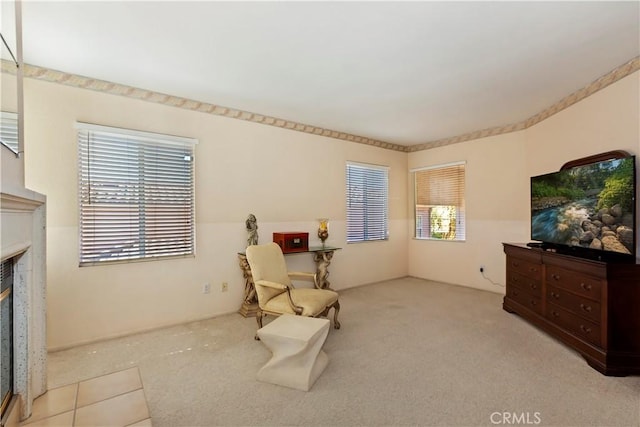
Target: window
x,y
439,202
136,195
9,130
367,202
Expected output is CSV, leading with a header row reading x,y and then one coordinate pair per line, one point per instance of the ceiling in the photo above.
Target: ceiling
x,y
401,72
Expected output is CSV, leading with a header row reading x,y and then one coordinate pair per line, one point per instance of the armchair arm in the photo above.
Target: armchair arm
x,y
280,286
302,275
273,285
296,308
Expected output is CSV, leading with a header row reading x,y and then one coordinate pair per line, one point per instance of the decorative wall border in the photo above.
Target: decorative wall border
x,y
40,73
611,77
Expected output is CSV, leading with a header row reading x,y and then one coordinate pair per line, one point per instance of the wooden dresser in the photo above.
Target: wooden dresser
x,y
591,306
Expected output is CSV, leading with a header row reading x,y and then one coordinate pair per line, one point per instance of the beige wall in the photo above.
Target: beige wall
x,y
497,176
287,179
497,198
606,120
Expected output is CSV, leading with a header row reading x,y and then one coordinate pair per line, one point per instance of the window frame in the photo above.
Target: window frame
x,y
136,172
427,209
367,236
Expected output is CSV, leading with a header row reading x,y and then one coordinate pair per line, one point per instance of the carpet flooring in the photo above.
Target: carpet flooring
x,y
410,352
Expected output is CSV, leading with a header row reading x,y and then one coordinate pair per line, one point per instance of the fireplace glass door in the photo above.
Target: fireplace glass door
x,y
6,333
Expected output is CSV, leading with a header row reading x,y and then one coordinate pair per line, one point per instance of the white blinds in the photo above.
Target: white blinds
x,y
9,130
136,194
440,206
367,202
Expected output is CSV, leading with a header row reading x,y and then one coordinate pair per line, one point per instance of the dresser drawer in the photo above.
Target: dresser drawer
x,y
587,330
584,307
527,284
524,268
587,286
533,303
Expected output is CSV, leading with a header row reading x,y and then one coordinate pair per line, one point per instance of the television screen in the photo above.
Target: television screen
x,y
590,206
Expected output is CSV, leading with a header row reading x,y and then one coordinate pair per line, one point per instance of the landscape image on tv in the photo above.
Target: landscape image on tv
x,y
591,206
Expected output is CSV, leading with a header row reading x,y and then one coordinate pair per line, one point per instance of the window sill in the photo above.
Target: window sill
x,y
134,260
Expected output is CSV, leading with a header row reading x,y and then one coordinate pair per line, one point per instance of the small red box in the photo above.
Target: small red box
x,y
292,241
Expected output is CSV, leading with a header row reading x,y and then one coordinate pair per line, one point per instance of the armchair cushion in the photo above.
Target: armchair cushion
x,y
312,301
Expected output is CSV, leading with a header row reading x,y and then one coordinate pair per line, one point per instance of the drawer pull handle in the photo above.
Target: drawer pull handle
x,y
533,286
554,295
555,276
533,269
586,308
585,329
555,314
515,264
585,286
533,302
515,293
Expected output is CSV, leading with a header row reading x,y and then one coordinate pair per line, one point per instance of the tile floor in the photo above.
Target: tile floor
x,y
116,399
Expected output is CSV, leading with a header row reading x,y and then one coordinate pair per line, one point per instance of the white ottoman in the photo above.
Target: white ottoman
x,y
296,343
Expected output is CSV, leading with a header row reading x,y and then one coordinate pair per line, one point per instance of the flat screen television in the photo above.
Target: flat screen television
x,y
587,210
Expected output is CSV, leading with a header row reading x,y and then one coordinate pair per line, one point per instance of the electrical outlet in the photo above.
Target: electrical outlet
x,y
225,286
482,269
206,288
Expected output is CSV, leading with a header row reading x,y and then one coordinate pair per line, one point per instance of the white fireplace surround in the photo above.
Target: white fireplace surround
x,y
23,239
22,225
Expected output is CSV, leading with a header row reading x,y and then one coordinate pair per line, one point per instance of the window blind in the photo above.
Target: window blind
x,y
136,195
367,202
440,202
9,130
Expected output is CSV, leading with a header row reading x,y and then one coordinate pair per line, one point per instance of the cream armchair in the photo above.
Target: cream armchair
x,y
276,294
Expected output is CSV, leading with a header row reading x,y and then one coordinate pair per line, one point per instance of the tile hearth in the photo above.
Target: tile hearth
x,y
109,400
